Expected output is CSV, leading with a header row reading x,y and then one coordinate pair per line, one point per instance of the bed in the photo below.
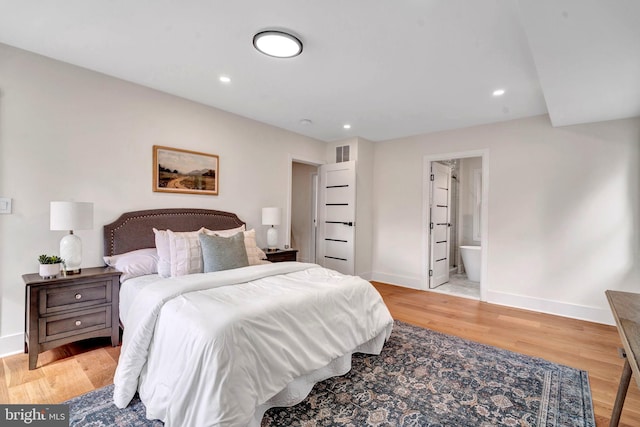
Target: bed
x,y
219,348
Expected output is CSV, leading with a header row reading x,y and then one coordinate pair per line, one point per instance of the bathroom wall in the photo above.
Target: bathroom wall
x,y
468,200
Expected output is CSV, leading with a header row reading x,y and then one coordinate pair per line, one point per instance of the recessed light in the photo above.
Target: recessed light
x,y
277,44
305,122
225,79
498,92
347,126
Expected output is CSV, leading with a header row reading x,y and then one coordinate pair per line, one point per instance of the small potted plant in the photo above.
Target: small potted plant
x,y
49,265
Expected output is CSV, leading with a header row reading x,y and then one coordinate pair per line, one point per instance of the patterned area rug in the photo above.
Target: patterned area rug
x,y
421,378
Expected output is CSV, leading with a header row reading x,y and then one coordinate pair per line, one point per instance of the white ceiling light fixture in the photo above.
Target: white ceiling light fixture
x,y
347,126
225,79
498,92
277,44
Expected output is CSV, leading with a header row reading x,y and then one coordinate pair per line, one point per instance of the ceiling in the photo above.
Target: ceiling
x,y
388,68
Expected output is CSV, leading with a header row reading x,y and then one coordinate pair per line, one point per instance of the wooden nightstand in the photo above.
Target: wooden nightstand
x,y
66,309
280,255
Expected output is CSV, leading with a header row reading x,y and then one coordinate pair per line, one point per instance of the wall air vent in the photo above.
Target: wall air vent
x,y
342,154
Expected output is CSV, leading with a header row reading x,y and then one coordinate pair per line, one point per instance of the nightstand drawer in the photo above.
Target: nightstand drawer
x,y
53,300
75,323
281,255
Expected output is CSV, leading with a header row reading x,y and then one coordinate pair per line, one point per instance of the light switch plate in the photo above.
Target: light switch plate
x,y
5,205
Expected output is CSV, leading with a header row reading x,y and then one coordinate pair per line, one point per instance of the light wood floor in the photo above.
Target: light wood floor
x,y
75,369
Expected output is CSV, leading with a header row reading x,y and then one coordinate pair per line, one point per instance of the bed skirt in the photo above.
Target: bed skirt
x,y
299,389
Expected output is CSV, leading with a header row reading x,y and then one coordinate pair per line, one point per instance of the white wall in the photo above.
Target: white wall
x,y
467,198
67,133
563,211
364,207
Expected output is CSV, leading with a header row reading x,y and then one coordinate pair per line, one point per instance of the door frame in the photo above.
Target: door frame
x,y
287,222
484,213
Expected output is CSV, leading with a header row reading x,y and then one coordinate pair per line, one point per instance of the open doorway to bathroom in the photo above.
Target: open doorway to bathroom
x,y
455,229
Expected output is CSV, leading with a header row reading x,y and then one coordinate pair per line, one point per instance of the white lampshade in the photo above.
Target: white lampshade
x,y
71,216
271,216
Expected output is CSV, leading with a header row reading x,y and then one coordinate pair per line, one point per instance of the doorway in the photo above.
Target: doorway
x,y
302,220
455,223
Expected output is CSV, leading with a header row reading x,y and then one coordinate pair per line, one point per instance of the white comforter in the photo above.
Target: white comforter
x,y
212,349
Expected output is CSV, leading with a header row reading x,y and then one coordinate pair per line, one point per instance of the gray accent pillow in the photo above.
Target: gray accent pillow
x,y
223,253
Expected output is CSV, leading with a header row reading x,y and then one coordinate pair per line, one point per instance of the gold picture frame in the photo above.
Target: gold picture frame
x,y
184,171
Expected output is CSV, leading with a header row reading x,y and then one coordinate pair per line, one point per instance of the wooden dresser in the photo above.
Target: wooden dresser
x,y
66,309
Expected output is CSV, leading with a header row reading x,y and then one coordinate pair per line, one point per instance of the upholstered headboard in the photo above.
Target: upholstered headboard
x,y
134,230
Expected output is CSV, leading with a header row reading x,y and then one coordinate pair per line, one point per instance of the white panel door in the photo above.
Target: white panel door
x,y
439,224
335,247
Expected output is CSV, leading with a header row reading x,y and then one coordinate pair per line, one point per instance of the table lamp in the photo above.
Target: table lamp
x,y
271,216
71,216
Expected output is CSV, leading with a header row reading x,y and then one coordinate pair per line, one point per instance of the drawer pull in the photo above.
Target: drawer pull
x,y
78,296
78,323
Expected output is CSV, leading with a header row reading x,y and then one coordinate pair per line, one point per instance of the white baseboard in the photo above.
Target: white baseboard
x,y
11,344
574,311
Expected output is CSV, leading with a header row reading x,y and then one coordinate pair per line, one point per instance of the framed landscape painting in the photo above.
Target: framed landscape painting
x,y
184,171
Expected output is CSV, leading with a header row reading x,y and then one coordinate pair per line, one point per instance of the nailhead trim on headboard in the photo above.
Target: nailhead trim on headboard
x,y
133,230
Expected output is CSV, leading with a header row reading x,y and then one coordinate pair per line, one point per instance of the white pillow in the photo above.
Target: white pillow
x,y
164,253
224,233
186,254
180,253
255,255
135,263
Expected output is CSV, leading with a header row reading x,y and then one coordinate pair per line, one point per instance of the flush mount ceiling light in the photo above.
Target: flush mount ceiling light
x,y
277,44
498,92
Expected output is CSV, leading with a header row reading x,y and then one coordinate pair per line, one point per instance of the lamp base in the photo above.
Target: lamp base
x,y
272,238
71,253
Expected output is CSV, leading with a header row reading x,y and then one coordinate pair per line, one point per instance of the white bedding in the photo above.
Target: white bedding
x,y
129,289
218,349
